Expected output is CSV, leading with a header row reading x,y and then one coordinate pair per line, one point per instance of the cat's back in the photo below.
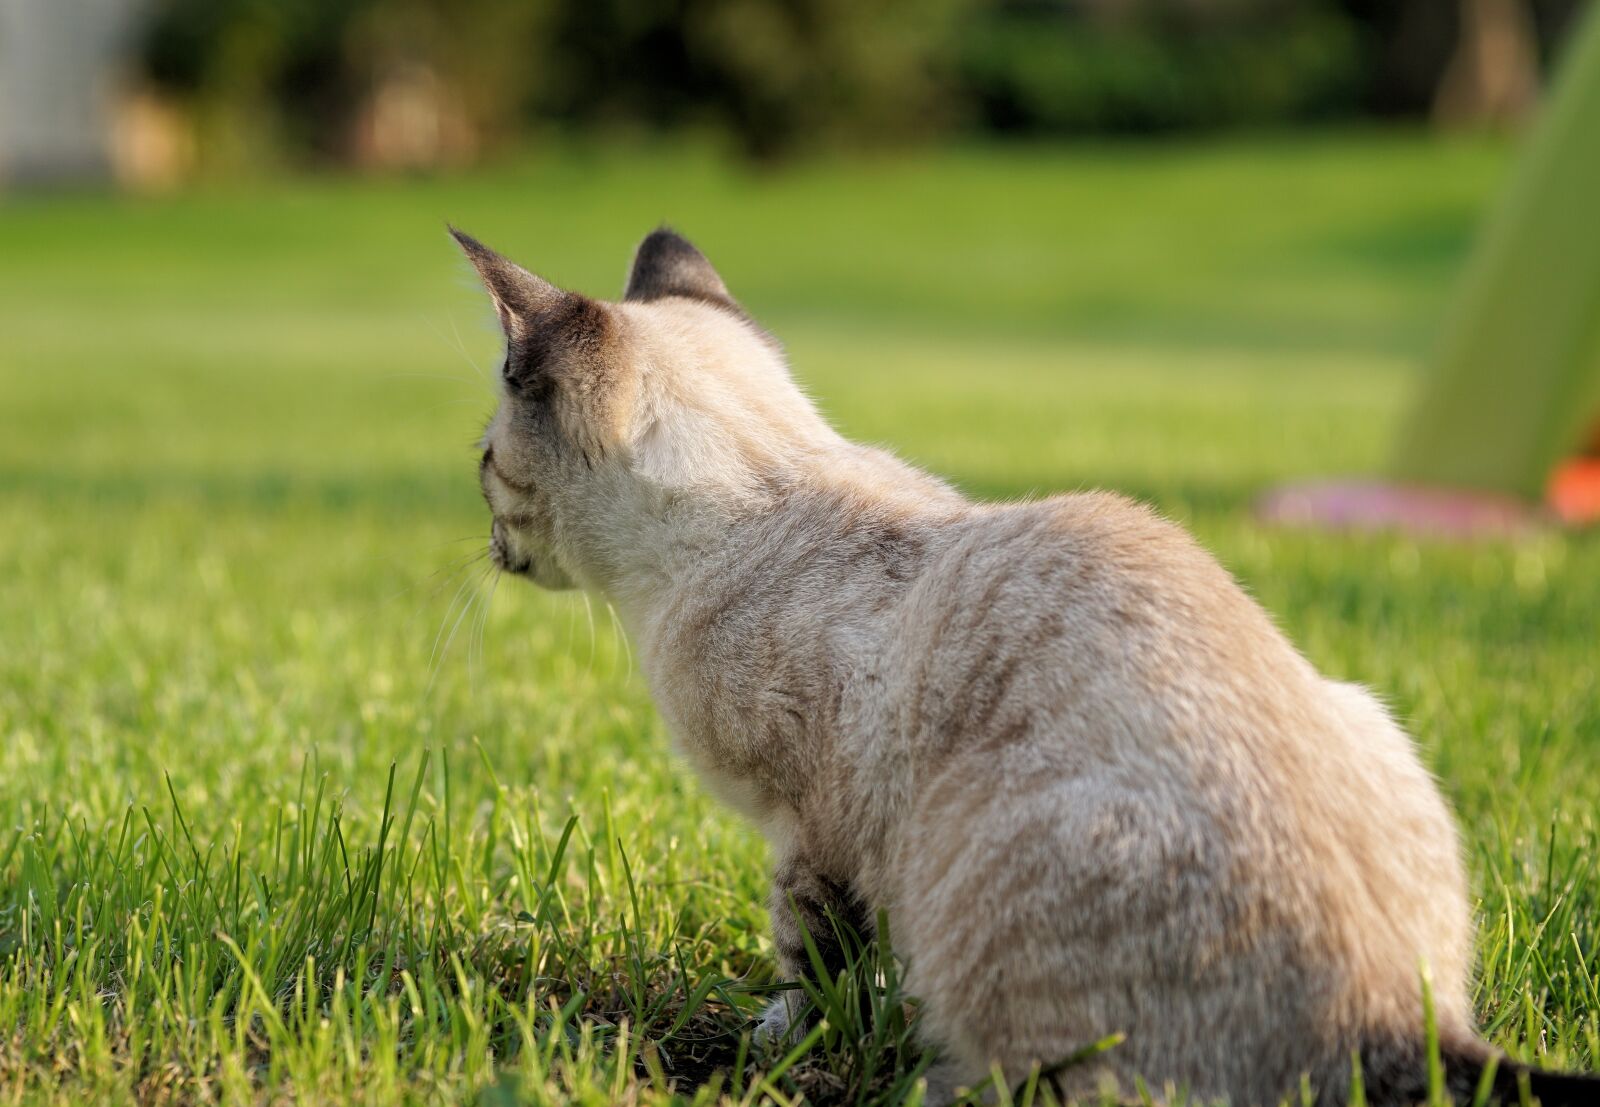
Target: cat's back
x,y
1080,604
1114,740
1086,638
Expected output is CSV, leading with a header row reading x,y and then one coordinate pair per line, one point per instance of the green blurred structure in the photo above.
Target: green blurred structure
x,y
1514,386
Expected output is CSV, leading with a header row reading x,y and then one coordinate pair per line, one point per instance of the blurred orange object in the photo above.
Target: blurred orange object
x,y
1574,491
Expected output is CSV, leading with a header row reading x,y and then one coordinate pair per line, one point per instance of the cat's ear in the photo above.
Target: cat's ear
x,y
667,264
519,296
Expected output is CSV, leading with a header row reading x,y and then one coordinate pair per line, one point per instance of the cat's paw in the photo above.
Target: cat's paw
x,y
780,1023
942,1082
951,1083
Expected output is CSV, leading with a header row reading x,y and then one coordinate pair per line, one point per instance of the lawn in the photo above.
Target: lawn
x,y
295,803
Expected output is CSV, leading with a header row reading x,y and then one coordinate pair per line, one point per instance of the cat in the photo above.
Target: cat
x,y
1088,782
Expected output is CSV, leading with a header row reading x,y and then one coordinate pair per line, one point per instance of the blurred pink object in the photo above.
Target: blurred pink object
x,y
1410,509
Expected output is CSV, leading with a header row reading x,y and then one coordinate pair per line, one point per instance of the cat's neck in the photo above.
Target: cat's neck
x,y
841,516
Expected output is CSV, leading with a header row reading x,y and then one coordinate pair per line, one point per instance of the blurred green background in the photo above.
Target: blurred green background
x,y
189,87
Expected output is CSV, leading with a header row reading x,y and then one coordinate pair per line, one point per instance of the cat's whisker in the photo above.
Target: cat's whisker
x,y
588,610
472,619
434,657
464,559
620,634
461,581
458,402
429,377
459,573
572,625
472,597
483,618
462,346
481,596
485,592
451,568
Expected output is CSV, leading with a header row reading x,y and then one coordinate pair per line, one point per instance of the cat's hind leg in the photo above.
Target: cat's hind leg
x,y
1038,915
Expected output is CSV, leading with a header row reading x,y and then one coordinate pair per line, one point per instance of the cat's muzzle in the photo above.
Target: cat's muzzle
x,y
501,553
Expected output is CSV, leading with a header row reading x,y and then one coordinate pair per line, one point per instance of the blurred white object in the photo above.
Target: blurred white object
x,y
60,64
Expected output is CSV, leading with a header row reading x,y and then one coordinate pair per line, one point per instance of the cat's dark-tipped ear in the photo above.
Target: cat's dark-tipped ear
x,y
518,295
667,264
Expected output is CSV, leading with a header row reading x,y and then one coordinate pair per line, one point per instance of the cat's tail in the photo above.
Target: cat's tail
x,y
1398,1077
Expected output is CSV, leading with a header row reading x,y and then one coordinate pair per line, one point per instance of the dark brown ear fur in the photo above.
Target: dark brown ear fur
x,y
667,264
545,326
519,296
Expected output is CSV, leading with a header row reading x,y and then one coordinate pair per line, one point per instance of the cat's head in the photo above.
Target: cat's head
x,y
611,412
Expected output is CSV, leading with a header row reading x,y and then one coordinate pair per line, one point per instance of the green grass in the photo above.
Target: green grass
x,y
286,813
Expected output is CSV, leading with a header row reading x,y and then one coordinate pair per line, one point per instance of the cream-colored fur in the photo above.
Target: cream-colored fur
x,y
1090,783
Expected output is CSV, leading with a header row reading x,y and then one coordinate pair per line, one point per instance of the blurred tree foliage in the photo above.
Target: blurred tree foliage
x,y
1060,66
778,75
295,76
423,81
775,76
